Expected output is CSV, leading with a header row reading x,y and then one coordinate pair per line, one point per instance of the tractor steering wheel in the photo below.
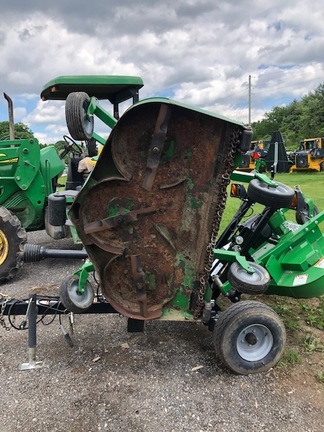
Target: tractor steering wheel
x,y
72,145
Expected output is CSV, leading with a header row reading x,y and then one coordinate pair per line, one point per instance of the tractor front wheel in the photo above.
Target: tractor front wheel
x,y
12,240
79,123
249,337
71,296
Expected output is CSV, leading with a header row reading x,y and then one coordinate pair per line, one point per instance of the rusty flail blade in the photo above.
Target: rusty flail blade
x,y
156,147
140,284
118,220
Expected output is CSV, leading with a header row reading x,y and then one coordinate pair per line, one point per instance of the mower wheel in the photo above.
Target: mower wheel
x,y
249,337
322,166
79,123
275,197
249,283
302,216
12,240
72,299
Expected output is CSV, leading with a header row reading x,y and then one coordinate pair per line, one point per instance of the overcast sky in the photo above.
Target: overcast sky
x,y
201,52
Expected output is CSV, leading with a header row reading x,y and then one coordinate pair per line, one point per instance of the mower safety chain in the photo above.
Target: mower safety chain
x,y
223,181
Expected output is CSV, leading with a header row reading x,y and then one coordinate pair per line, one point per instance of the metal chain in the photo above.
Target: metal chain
x,y
4,298
221,185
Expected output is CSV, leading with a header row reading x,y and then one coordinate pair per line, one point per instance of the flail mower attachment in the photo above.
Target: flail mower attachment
x,y
149,213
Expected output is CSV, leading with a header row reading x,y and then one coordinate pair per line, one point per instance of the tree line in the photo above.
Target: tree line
x,y
296,121
22,131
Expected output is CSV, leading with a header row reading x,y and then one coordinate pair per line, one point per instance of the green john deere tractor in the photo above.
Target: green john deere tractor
x,y
29,175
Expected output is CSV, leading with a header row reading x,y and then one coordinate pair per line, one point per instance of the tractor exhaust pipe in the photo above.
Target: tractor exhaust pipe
x,y
11,117
35,253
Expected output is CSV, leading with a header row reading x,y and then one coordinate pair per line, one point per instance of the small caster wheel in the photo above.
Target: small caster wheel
x,y
72,299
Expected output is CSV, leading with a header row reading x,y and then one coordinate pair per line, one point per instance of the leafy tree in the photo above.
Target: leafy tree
x,y
296,121
59,146
21,130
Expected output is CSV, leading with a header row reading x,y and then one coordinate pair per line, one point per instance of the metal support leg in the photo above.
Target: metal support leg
x,y
32,319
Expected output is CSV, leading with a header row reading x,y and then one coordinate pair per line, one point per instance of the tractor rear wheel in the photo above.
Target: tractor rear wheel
x,y
79,123
249,337
72,299
275,197
12,240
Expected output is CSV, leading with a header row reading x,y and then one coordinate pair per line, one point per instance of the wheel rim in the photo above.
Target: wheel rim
x,y
254,342
87,120
4,247
82,300
252,278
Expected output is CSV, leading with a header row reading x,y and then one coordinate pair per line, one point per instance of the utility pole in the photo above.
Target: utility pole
x,y
250,100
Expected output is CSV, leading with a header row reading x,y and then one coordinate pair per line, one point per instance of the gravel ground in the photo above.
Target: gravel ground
x,y
164,379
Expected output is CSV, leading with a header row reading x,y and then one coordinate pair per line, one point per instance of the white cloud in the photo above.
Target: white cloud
x,y
199,51
19,114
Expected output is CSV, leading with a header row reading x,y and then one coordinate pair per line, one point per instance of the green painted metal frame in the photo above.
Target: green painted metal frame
x,y
296,262
115,88
26,180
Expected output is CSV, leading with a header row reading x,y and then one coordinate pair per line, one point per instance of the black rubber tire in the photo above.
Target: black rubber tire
x,y
275,197
79,124
12,241
71,299
322,166
303,216
249,337
247,283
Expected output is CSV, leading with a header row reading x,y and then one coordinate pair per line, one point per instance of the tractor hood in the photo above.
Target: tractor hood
x,y
152,205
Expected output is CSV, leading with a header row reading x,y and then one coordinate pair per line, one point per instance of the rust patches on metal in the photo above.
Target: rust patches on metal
x,y
140,284
175,183
183,214
156,146
122,218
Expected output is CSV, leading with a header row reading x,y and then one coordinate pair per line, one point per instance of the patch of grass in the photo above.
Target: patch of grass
x,y
306,182
288,314
314,315
283,309
291,356
309,183
295,314
311,343
320,376
292,325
